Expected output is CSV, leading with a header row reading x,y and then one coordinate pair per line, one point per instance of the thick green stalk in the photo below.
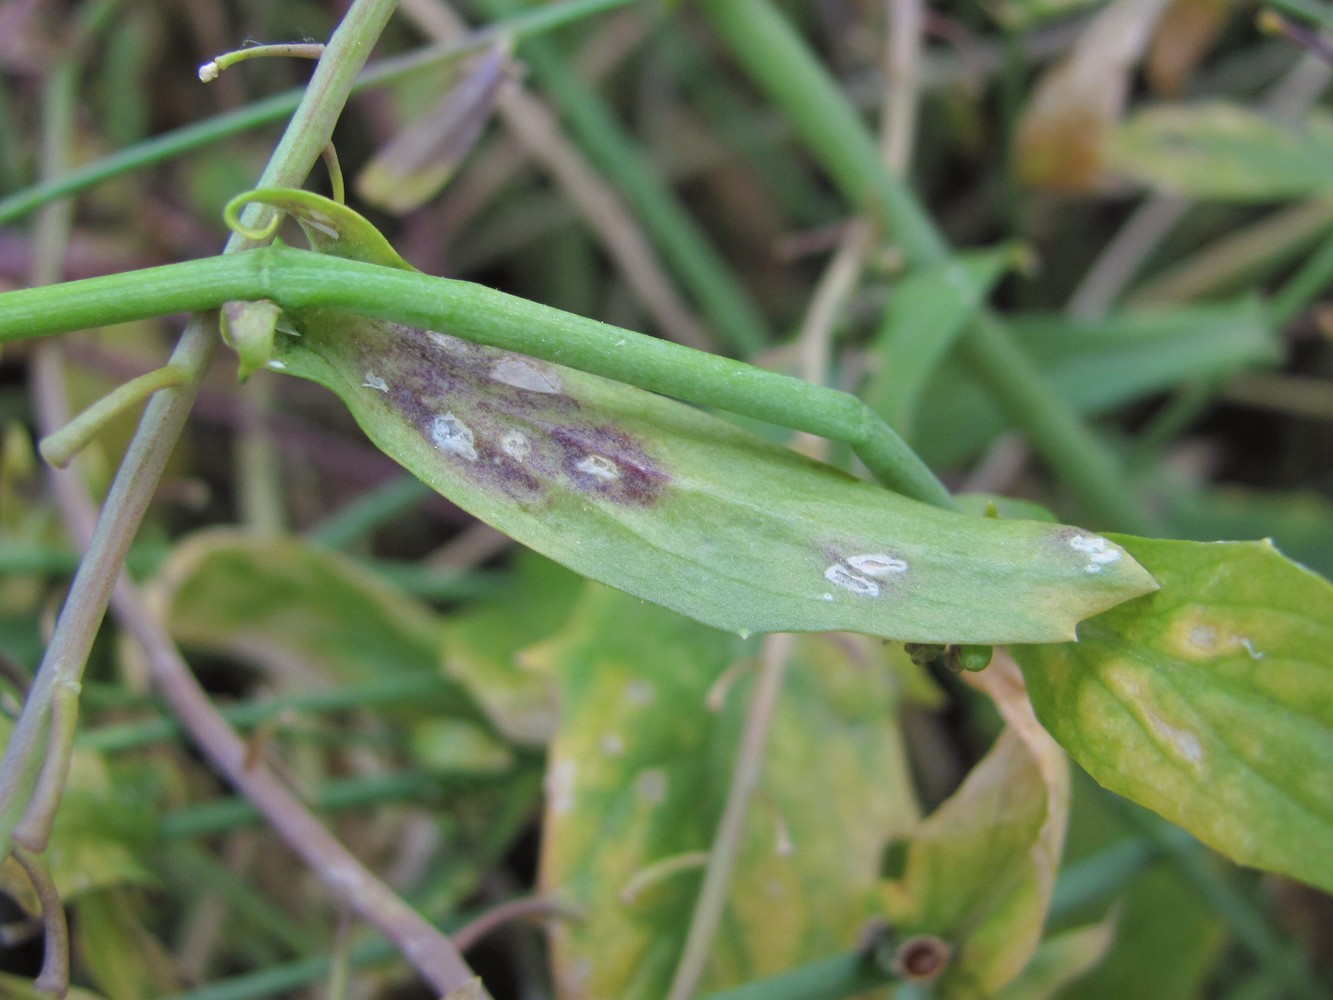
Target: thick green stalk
x,y
298,279
779,61
683,244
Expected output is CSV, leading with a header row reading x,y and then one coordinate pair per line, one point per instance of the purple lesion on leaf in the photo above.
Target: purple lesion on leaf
x,y
527,434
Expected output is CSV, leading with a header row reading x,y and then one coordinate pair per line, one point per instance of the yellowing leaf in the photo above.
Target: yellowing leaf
x,y
978,872
637,777
1226,152
1210,701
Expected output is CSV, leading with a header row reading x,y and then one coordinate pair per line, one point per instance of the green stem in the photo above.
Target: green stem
x,y
779,61
1303,286
368,512
416,690
272,109
60,448
298,279
224,815
682,243
433,955
711,903
54,977
830,979
210,71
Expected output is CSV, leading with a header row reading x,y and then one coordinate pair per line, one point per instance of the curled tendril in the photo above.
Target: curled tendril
x,y
231,215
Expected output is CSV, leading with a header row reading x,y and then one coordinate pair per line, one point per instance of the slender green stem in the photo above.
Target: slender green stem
x,y
830,979
433,955
272,109
298,279
368,512
712,899
1302,287
54,977
683,244
61,447
781,63
210,71
416,690
342,793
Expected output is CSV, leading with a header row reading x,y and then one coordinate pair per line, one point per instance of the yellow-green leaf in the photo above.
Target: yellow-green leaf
x,y
638,774
1210,701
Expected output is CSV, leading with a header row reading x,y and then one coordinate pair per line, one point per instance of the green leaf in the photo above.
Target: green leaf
x,y
927,311
308,616
638,774
979,870
482,643
667,503
1210,701
1098,364
670,504
1226,152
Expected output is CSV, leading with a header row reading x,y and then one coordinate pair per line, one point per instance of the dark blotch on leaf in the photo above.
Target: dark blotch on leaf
x,y
527,433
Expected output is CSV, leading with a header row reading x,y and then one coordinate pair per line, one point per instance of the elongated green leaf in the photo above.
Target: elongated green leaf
x,y
1227,152
638,774
1210,701
668,503
926,313
1098,364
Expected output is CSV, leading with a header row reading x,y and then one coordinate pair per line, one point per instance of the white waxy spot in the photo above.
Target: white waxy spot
x,y
876,564
840,576
640,692
613,744
373,381
1249,648
1099,551
525,375
277,366
599,467
322,224
516,445
560,785
651,786
453,437
828,597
